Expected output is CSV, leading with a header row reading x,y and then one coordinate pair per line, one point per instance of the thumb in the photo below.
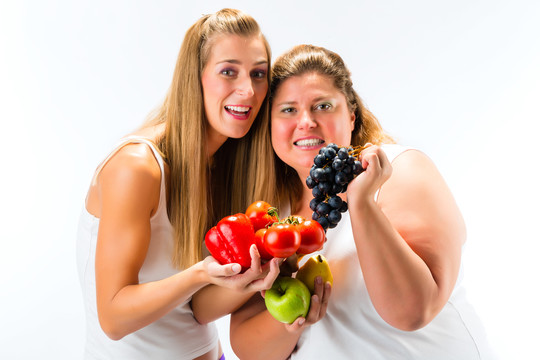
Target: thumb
x,y
233,269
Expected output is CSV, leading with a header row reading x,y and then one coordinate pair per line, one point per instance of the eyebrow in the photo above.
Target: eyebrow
x,y
318,98
287,103
238,62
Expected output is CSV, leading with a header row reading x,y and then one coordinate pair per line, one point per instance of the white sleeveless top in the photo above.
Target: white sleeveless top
x,y
177,335
352,328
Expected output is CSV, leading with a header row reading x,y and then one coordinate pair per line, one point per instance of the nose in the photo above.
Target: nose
x,y
245,86
306,120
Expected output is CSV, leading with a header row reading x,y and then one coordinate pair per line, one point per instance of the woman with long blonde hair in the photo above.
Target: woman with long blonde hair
x,y
139,248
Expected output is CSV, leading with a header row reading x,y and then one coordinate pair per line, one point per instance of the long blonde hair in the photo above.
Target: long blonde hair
x,y
303,59
197,200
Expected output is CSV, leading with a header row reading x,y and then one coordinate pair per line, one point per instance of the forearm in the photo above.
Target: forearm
x,y
263,337
400,284
136,306
205,307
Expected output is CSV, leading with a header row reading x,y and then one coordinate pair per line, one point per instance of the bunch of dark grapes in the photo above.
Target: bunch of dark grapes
x,y
332,171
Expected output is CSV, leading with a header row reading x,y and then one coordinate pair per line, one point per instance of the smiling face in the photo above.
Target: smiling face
x,y
308,113
234,82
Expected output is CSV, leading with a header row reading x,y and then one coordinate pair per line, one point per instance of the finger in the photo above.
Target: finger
x,y
325,299
296,325
314,309
268,280
319,286
327,292
255,259
219,271
279,262
383,159
232,269
272,274
370,160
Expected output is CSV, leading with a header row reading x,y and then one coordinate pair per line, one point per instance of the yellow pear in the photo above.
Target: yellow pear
x,y
317,265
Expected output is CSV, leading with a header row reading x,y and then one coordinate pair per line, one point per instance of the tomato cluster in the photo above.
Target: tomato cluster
x,y
229,241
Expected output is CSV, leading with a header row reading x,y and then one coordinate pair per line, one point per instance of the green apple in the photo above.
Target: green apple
x,y
288,299
317,265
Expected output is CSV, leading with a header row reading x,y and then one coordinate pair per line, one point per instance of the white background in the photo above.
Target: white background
x,y
459,80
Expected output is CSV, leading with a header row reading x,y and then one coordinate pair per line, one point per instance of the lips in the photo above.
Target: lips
x,y
239,112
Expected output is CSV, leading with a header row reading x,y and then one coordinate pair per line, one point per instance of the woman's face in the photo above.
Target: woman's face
x,y
234,83
308,113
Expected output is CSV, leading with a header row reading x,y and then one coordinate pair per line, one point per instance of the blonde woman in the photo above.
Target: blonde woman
x,y
395,255
140,254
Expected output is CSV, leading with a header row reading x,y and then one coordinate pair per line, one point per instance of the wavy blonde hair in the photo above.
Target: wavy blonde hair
x,y
303,59
197,200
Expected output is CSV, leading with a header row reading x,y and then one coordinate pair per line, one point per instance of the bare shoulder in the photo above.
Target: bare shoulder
x,y
414,164
132,176
416,198
132,161
414,171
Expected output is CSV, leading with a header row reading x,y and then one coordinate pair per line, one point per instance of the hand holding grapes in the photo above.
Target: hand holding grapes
x,y
377,170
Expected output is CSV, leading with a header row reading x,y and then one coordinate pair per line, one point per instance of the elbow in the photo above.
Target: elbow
x,y
112,333
410,318
202,317
112,329
203,320
410,323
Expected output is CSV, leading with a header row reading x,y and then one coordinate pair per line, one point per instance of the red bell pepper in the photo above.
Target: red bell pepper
x,y
229,241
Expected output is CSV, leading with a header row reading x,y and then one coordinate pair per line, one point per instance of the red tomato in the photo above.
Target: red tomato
x,y
282,240
257,214
259,240
312,234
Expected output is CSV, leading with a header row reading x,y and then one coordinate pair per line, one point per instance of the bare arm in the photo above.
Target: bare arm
x,y
255,334
128,189
409,241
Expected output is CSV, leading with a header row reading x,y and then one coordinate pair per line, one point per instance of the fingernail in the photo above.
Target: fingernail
x,y
318,279
301,321
236,268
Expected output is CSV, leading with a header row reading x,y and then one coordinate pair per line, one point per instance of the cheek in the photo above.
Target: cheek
x,y
280,132
261,89
341,131
212,88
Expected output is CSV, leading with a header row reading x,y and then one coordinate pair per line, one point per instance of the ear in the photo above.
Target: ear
x,y
353,119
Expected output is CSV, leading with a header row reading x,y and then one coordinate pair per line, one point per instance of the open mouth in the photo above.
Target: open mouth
x,y
313,142
238,112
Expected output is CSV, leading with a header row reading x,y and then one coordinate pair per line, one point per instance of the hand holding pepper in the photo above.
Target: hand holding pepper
x,y
255,278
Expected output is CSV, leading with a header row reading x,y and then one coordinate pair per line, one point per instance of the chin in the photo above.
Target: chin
x,y
301,167
237,133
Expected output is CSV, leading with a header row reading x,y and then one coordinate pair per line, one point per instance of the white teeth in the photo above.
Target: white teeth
x,y
309,142
237,108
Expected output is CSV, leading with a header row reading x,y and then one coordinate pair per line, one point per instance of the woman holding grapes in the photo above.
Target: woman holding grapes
x,y
395,255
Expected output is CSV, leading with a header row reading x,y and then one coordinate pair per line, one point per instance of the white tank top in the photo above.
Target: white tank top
x,y
177,335
352,328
